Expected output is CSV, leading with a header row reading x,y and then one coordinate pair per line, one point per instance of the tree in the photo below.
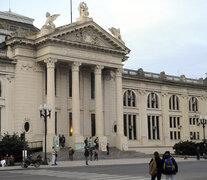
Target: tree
x,y
12,145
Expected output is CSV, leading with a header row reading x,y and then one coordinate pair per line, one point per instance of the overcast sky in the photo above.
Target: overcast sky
x,y
163,35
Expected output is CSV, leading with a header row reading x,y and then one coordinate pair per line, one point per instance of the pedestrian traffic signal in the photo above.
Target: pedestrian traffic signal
x,y
23,136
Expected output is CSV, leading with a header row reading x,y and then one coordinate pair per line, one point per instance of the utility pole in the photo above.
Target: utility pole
x,y
71,15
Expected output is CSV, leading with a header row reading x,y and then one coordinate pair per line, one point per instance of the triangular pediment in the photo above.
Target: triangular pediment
x,y
89,34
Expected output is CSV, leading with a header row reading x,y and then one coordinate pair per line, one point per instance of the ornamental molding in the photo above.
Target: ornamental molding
x,y
109,75
75,66
119,72
50,62
98,69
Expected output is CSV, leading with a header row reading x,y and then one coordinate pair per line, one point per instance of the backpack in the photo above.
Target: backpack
x,y
168,165
153,167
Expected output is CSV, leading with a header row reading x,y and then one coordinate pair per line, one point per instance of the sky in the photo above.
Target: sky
x,y
163,35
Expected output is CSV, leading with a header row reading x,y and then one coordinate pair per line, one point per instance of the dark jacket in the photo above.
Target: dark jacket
x,y
166,156
159,163
86,152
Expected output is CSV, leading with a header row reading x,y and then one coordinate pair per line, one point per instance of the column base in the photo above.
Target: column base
x,y
49,142
77,142
102,143
122,143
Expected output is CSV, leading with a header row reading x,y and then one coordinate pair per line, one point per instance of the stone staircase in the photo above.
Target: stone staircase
x,y
113,154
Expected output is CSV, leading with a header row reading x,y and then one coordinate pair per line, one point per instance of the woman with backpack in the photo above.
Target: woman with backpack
x,y
155,167
170,167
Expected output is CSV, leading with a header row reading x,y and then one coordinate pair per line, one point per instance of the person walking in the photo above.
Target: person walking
x,y
95,154
198,153
107,148
54,156
90,141
70,152
170,167
86,154
155,167
91,153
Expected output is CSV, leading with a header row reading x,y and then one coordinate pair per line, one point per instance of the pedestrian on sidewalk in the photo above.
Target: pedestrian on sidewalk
x,y
90,141
155,167
95,154
107,148
170,167
70,152
91,153
86,154
198,153
54,152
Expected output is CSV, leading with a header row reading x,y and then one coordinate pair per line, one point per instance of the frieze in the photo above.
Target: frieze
x,y
87,35
109,75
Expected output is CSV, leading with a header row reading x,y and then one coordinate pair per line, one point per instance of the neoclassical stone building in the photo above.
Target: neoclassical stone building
x,y
77,70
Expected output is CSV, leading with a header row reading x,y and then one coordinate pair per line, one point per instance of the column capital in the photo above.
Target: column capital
x,y
119,72
75,66
98,69
50,62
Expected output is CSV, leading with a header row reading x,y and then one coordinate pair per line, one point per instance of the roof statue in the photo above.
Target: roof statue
x,y
116,33
83,11
49,21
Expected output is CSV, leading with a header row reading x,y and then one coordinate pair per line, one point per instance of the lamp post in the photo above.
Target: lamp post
x,y
44,114
203,121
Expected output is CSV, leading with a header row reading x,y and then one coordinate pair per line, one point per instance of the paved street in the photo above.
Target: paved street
x,y
188,170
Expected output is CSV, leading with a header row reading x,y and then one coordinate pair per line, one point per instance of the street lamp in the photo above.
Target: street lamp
x,y
43,113
203,121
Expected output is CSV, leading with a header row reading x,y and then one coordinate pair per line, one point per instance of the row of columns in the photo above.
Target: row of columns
x,y
77,137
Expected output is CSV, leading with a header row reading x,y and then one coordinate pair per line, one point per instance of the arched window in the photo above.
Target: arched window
x,y
174,103
152,100
193,104
129,99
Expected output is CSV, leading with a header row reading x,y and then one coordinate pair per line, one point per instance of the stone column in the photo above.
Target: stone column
x,y
76,137
120,138
99,105
50,62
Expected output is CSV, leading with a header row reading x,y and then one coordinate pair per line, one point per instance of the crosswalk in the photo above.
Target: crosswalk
x,y
78,175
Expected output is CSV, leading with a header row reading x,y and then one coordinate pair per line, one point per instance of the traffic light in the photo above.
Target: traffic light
x,y
23,136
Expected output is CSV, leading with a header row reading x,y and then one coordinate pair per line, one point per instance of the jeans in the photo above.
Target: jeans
x,y
157,175
86,160
53,159
170,177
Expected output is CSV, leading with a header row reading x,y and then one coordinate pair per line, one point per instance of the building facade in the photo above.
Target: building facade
x,y
77,70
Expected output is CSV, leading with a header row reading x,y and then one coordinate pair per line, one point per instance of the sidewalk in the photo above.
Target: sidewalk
x,y
97,163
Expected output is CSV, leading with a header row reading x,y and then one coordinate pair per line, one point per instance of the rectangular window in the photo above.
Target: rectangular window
x,y
70,83
178,134
178,121
193,121
190,121
130,126
170,122
125,124
92,85
198,135
70,124
55,123
171,135
194,135
175,135
134,127
153,127
149,127
157,122
174,122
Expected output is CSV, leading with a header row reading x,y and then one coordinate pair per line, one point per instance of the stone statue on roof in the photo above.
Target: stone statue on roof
x,y
116,33
83,9
49,21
